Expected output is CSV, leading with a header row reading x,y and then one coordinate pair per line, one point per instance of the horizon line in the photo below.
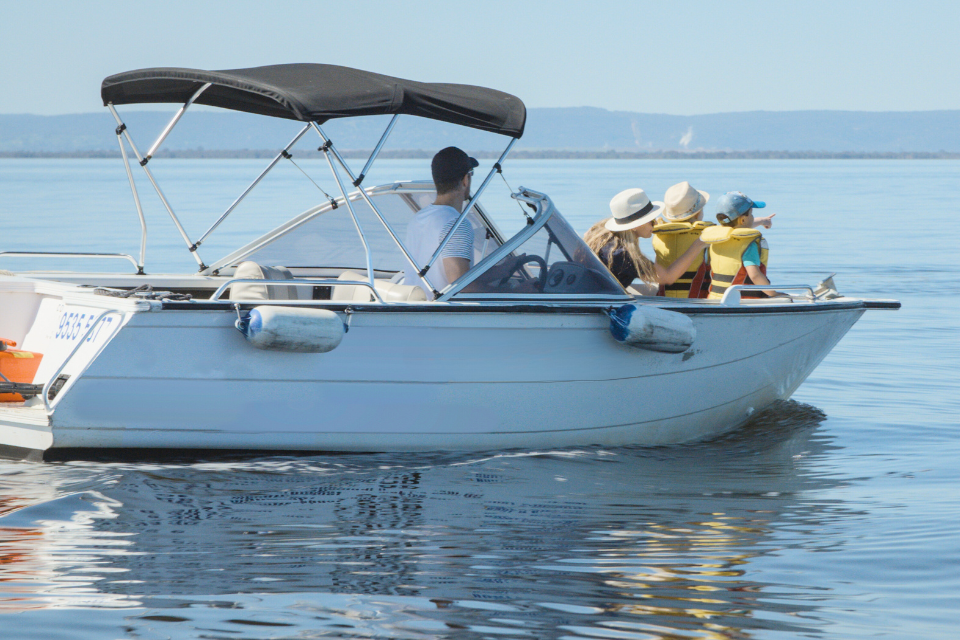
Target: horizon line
x,y
520,154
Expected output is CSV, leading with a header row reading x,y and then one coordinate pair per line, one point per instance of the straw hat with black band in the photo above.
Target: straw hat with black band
x,y
631,209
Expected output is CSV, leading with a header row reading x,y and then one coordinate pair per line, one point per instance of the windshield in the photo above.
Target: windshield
x,y
330,240
554,260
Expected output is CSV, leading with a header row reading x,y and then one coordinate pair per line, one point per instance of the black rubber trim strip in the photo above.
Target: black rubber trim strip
x,y
149,454
407,308
10,452
692,310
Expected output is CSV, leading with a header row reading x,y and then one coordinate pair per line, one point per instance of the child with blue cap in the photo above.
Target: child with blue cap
x,y
738,252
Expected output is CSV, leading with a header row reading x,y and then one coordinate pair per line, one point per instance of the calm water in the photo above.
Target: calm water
x,y
833,515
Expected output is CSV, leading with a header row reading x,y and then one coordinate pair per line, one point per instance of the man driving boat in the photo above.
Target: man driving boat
x,y
452,171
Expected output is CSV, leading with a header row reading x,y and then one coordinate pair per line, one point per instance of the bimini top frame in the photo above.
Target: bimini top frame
x,y
312,93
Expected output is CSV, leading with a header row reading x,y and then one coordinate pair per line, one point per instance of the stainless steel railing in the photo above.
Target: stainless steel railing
x,y
60,254
731,297
295,283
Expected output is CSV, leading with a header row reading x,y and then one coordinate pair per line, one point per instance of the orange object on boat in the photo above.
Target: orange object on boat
x,y
17,366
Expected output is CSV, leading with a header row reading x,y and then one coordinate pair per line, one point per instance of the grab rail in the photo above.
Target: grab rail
x,y
731,296
49,384
294,283
58,254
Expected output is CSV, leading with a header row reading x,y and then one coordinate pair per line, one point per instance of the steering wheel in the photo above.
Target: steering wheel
x,y
520,262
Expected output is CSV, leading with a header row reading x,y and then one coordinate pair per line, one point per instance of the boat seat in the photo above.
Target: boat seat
x,y
252,270
389,291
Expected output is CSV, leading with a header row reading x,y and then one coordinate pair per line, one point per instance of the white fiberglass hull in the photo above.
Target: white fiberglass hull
x,y
427,380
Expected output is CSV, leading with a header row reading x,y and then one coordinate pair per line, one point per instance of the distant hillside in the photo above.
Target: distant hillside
x,y
583,129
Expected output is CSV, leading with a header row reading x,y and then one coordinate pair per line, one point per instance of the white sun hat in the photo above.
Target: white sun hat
x,y
630,209
681,202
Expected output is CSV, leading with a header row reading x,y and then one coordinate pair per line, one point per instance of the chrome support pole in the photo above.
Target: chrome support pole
x,y
376,151
190,246
393,234
136,200
353,214
253,184
473,201
336,154
486,242
176,119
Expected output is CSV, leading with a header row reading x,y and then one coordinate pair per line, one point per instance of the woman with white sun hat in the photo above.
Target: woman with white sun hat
x,y
616,241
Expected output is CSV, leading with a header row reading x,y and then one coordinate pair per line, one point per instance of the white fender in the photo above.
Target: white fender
x,y
292,329
647,327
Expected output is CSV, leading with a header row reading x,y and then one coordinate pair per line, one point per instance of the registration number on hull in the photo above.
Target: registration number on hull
x,y
73,324
60,327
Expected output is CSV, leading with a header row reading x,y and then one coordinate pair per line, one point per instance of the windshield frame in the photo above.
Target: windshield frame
x,y
544,210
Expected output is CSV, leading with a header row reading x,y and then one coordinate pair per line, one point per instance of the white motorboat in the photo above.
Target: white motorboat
x,y
303,340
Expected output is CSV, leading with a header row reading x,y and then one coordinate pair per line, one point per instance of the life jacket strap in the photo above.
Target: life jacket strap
x,y
700,286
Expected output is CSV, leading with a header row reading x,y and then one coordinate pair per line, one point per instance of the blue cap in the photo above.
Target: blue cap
x,y
734,204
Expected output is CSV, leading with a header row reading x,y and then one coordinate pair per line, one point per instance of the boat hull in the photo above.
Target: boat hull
x,y
432,380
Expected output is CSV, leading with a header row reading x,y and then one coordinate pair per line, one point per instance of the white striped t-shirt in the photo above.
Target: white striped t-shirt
x,y
425,233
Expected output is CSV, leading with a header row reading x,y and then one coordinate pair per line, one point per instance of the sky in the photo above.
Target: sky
x,y
676,57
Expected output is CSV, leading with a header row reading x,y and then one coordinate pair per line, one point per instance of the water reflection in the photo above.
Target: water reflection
x,y
619,543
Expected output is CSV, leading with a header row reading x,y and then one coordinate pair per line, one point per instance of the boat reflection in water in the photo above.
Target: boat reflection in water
x,y
594,542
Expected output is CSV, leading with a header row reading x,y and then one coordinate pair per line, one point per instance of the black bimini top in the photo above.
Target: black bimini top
x,y
320,92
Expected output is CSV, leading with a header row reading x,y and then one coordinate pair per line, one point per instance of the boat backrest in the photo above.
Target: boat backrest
x,y
252,270
389,291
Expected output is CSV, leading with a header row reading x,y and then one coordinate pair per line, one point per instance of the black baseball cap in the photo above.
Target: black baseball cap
x,y
450,165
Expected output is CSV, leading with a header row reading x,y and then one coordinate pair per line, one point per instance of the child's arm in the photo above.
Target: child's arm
x,y
758,277
765,222
669,275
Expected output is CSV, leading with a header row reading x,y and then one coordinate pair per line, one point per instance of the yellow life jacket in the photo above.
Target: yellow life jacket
x,y
670,241
727,246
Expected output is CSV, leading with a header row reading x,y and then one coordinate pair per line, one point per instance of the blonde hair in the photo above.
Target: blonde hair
x,y
598,236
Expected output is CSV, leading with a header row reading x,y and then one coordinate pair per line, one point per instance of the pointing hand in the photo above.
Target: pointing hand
x,y
766,222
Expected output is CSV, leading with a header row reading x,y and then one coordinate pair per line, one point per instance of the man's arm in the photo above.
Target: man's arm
x,y
457,255
455,267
